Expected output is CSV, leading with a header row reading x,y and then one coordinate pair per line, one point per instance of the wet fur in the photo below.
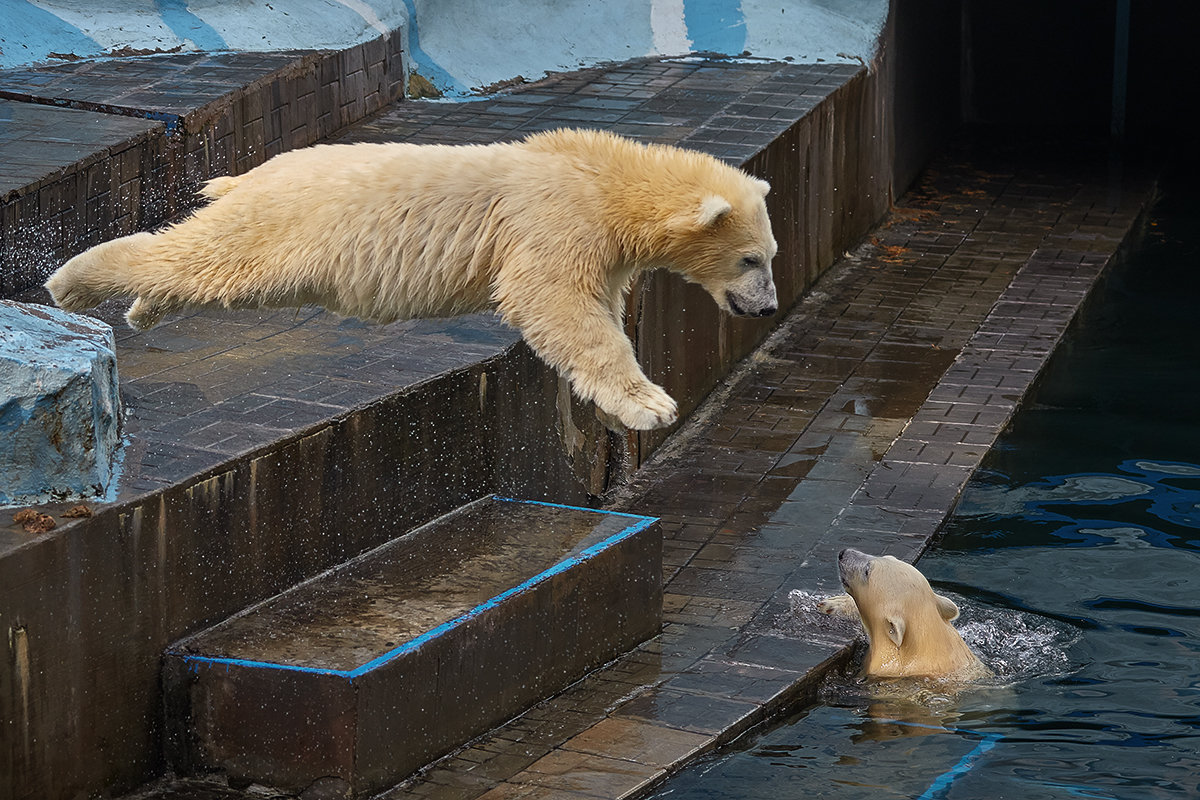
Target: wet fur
x,y
550,231
907,624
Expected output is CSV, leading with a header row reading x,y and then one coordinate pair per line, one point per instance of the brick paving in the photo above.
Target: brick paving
x,y
857,424
729,110
98,149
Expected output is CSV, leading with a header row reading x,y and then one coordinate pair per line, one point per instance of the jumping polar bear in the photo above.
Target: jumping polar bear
x,y
551,231
907,624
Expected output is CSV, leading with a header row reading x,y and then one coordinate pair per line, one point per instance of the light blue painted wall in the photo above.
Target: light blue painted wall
x,y
458,44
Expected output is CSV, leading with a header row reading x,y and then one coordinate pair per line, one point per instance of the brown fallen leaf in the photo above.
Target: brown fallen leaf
x,y
34,521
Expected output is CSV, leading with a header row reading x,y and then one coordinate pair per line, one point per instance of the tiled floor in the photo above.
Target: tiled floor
x,y
857,424
164,88
37,141
728,110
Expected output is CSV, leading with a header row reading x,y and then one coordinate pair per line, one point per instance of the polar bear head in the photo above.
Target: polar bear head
x,y
722,240
907,624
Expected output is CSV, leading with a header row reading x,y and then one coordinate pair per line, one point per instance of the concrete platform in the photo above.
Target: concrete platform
x,y
370,671
266,448
95,150
856,424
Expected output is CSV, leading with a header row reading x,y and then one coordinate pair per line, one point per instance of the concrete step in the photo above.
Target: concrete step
x,y
366,673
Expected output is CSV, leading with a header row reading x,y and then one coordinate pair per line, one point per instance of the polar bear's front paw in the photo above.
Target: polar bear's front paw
x,y
841,605
645,407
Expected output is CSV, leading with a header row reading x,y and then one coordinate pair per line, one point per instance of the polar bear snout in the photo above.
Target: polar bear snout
x,y
853,566
752,296
744,307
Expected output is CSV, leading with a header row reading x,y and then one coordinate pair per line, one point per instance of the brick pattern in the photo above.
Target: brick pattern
x,y
67,173
857,424
101,149
731,111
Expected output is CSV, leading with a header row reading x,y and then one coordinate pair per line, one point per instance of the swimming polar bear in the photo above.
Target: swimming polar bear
x,y
908,625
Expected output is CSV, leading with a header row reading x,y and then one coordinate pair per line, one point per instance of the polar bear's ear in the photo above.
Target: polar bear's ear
x,y
761,185
946,607
713,209
895,630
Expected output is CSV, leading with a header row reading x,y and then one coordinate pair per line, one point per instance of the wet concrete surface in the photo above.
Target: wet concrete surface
x,y
431,578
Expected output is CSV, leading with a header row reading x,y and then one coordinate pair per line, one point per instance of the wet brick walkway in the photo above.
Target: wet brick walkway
x,y
857,424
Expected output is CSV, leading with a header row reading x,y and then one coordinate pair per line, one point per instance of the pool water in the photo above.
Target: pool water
x,y
1075,555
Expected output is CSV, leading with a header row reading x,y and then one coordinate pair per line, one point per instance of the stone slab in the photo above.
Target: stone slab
x,y
39,141
370,671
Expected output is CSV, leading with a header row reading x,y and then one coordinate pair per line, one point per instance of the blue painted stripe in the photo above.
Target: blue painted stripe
x,y
641,524
715,26
426,65
243,662
575,508
172,120
186,25
942,783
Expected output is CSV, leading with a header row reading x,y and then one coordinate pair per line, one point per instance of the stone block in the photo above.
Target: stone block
x,y
59,405
362,676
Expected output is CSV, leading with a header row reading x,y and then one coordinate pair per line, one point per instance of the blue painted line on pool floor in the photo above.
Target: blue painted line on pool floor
x,y
646,519
943,782
629,530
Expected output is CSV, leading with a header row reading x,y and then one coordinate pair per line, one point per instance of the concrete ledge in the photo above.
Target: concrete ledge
x,y
108,148
370,671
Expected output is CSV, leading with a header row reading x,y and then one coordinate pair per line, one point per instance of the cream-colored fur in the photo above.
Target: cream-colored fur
x,y
907,624
550,231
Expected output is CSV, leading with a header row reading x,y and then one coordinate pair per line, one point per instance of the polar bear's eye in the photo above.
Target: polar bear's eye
x,y
751,262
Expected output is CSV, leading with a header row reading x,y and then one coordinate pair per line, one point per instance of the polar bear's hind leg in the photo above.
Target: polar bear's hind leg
x,y
106,270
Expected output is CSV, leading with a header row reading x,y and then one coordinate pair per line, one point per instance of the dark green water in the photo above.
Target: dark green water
x,y
1075,553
